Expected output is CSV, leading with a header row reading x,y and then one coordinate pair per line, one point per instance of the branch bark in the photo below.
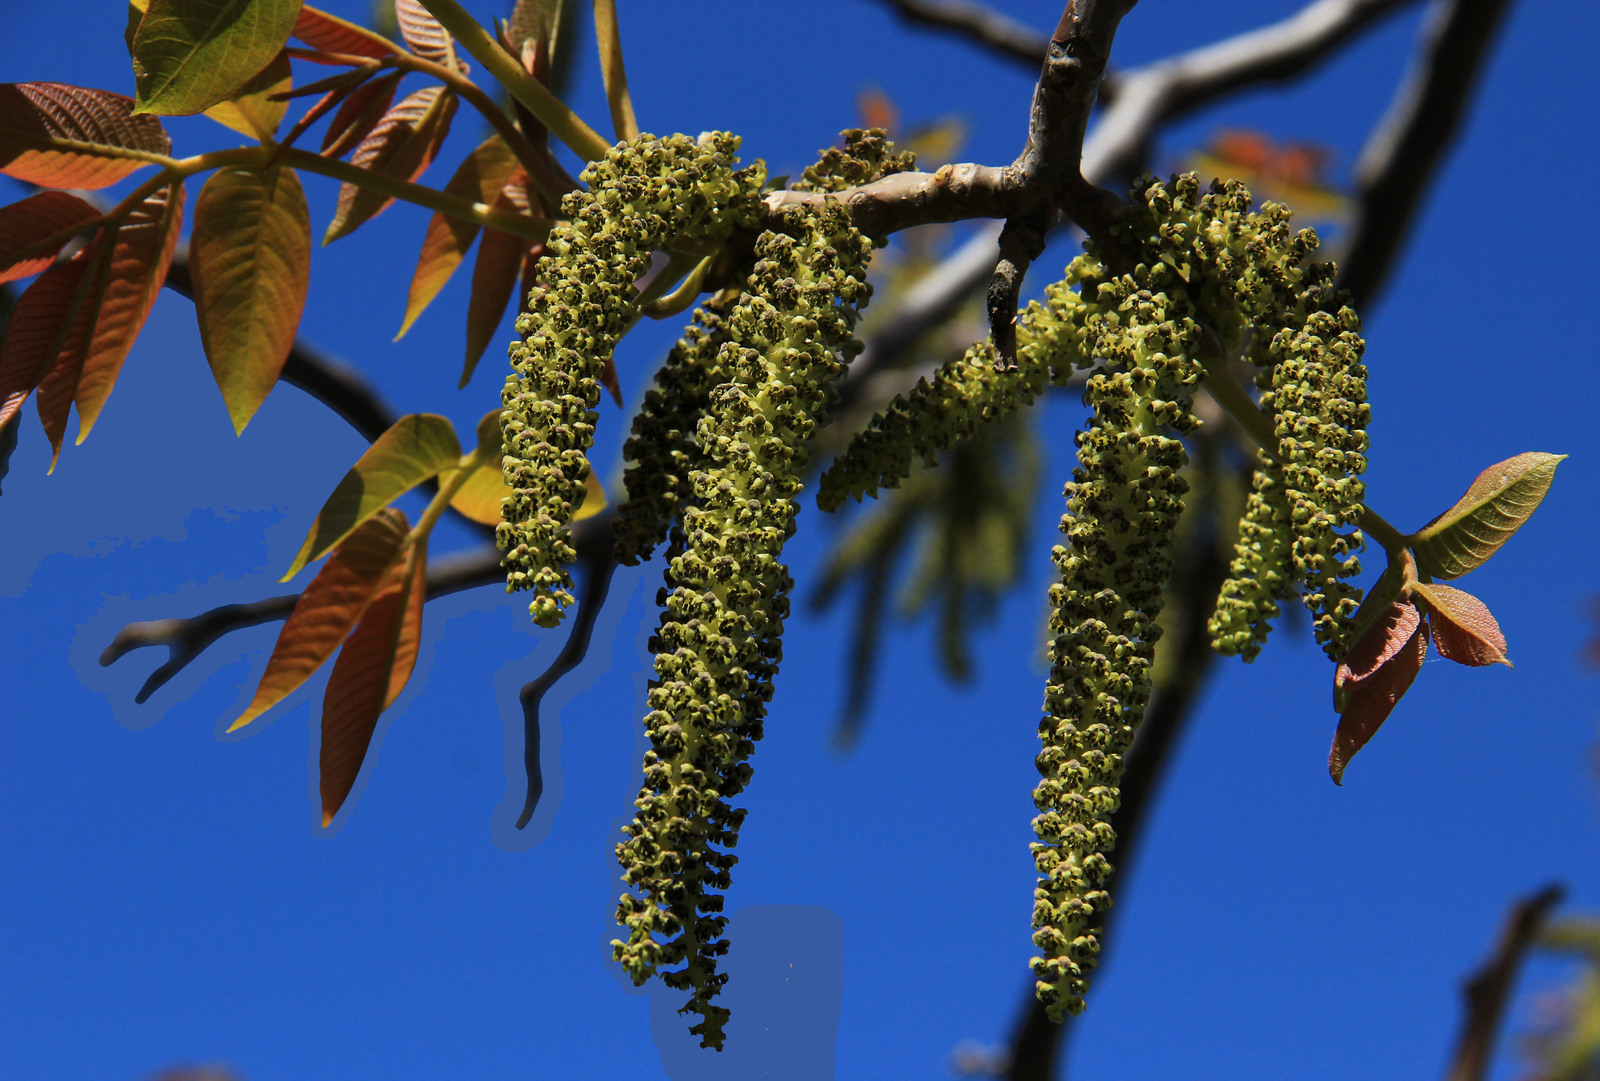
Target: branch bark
x,y
1489,989
1403,154
978,23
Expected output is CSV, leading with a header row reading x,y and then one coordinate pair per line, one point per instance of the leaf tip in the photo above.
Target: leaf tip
x,y
327,817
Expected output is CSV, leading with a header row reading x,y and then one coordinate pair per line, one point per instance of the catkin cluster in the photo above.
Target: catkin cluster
x,y
968,392
641,196
1123,505
784,344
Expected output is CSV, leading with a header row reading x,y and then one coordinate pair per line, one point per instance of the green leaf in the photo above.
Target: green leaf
x,y
479,498
1502,498
250,257
414,448
251,110
190,54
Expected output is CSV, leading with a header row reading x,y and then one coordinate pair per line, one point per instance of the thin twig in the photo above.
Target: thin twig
x,y
979,23
1403,154
186,639
597,558
1489,989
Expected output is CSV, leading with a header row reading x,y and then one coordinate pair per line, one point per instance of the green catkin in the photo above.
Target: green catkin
x,y
1319,405
642,196
718,647
966,393
661,450
1259,575
1123,506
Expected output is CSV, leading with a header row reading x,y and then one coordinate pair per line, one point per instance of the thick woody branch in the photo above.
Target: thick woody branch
x,y
1489,989
1146,99
1401,157
978,23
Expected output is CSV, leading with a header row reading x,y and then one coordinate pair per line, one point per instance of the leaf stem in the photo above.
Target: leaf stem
x,y
609,39
563,123
440,502
1237,403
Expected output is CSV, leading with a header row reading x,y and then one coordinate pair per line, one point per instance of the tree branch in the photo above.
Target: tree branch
x,y
597,558
1489,989
978,23
1403,154
186,639
1146,99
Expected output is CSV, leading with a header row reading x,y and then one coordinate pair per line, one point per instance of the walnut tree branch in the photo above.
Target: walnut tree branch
x,y
1403,154
1147,98
979,23
1489,989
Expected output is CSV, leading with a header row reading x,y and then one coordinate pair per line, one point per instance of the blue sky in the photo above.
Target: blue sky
x,y
168,895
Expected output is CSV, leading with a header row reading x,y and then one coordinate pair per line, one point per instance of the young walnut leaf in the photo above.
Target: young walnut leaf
x,y
371,671
423,34
32,221
1386,636
328,608
46,316
494,275
1464,631
480,177
332,34
190,54
402,145
110,142
252,109
76,332
1370,701
359,112
1502,498
145,244
250,256
414,448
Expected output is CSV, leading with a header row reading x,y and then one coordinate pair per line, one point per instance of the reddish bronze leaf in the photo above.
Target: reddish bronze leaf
x,y
1464,631
60,380
372,669
402,145
332,34
359,113
250,256
1372,700
480,178
423,34
35,118
138,269
39,326
34,219
1383,638
328,608
494,275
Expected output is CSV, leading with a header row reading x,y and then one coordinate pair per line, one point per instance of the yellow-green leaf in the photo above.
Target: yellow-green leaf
x,y
190,54
371,671
1502,498
250,256
414,448
479,178
328,608
250,110
480,497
